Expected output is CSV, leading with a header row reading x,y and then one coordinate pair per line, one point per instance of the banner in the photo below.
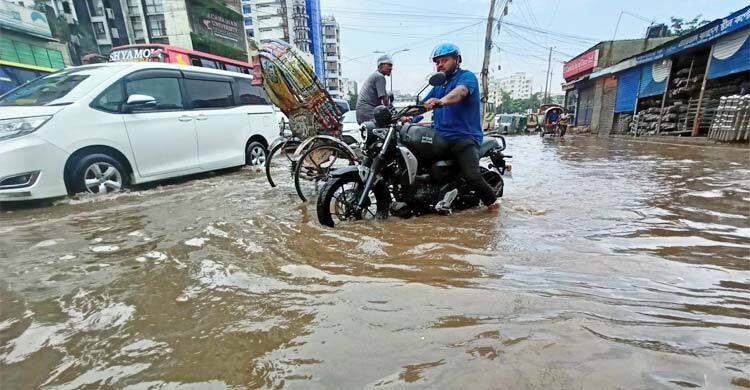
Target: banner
x,y
22,19
580,64
709,32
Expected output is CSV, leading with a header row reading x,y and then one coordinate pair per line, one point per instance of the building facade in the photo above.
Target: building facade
x,y
581,93
518,86
673,87
349,87
332,61
286,20
27,39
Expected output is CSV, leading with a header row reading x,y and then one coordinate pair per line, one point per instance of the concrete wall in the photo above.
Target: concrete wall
x,y
177,23
612,52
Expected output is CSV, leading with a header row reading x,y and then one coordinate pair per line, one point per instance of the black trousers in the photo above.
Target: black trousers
x,y
466,154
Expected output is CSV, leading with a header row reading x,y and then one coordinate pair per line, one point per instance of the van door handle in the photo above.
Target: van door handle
x,y
201,117
185,118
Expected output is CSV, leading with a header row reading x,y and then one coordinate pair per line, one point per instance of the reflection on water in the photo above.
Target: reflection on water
x,y
611,264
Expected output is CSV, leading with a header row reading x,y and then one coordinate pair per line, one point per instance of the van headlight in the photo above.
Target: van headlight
x,y
17,127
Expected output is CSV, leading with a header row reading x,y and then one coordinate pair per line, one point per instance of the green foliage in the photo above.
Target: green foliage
x,y
201,9
353,100
510,105
679,26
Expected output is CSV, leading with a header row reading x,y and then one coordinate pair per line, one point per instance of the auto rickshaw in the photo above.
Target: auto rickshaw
x,y
532,123
551,122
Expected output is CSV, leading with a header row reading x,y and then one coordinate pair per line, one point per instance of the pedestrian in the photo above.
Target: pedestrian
x,y
458,119
373,92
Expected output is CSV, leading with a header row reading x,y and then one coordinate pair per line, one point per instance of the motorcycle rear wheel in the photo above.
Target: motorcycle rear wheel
x,y
338,197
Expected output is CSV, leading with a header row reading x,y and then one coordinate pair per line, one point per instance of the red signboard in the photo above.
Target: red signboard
x,y
580,64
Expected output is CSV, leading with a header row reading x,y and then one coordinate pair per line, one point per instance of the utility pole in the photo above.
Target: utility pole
x,y
546,80
486,64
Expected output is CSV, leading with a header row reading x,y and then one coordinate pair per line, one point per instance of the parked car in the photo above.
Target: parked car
x,y
103,127
351,128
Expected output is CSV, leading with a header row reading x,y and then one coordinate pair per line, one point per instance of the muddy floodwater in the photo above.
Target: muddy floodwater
x,y
612,264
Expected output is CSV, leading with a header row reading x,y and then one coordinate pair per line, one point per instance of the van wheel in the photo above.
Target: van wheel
x,y
255,154
99,174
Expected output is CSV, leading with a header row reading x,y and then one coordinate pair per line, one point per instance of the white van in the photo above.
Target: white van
x,y
103,127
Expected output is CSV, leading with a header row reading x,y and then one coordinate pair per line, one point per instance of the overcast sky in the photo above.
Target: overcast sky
x,y
570,26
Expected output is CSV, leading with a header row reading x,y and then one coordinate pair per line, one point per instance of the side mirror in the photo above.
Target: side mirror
x,y
139,102
437,79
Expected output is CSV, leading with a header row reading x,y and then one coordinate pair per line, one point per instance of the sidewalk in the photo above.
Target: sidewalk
x,y
672,140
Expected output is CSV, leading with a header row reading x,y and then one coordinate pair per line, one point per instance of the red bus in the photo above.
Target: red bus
x,y
177,55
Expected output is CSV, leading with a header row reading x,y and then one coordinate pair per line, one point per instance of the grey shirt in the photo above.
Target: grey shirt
x,y
370,96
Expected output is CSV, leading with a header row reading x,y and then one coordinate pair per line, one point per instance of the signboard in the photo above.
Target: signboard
x,y
580,64
709,32
25,20
136,54
215,22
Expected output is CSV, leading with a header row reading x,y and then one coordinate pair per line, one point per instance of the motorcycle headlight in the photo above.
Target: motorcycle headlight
x,y
17,127
366,131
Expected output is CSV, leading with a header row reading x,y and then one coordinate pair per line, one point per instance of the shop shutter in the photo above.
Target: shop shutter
x,y
654,78
585,106
24,52
7,50
40,56
56,59
731,55
627,89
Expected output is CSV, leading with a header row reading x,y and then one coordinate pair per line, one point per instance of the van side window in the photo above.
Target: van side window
x,y
111,99
251,94
166,91
209,93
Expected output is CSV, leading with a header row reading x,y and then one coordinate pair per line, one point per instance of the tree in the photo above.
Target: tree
x,y
510,105
678,26
352,100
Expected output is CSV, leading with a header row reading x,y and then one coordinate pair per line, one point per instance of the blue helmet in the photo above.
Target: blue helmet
x,y
445,49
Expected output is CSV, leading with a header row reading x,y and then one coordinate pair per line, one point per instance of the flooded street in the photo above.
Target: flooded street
x,y
612,264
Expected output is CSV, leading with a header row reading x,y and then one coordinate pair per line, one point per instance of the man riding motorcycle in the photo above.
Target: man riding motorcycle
x,y
458,120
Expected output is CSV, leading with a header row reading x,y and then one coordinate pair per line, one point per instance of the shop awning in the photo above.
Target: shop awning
x,y
572,83
654,78
730,55
627,89
629,63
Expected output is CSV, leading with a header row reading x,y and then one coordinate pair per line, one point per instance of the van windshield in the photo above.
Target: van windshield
x,y
47,89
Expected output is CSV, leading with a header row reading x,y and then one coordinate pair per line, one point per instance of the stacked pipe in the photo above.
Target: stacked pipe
x,y
671,116
732,119
686,84
648,120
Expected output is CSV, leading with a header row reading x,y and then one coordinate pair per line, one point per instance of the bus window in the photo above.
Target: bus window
x,y
208,64
195,61
232,68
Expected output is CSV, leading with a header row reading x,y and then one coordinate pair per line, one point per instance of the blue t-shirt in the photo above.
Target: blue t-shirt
x,y
461,120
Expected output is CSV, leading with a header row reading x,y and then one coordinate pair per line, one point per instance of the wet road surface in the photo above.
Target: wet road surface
x,y
612,264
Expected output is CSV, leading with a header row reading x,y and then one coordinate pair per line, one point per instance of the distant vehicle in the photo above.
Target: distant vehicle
x,y
103,127
504,123
351,128
153,52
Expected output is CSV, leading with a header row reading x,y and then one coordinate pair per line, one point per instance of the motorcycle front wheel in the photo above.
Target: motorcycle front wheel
x,y
338,198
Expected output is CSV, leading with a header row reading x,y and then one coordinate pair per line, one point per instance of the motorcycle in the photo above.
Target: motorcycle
x,y
406,171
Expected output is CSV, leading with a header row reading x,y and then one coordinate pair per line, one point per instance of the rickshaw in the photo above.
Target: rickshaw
x,y
551,122
313,145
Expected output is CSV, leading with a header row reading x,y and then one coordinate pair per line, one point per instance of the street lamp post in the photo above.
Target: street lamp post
x,y
391,55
